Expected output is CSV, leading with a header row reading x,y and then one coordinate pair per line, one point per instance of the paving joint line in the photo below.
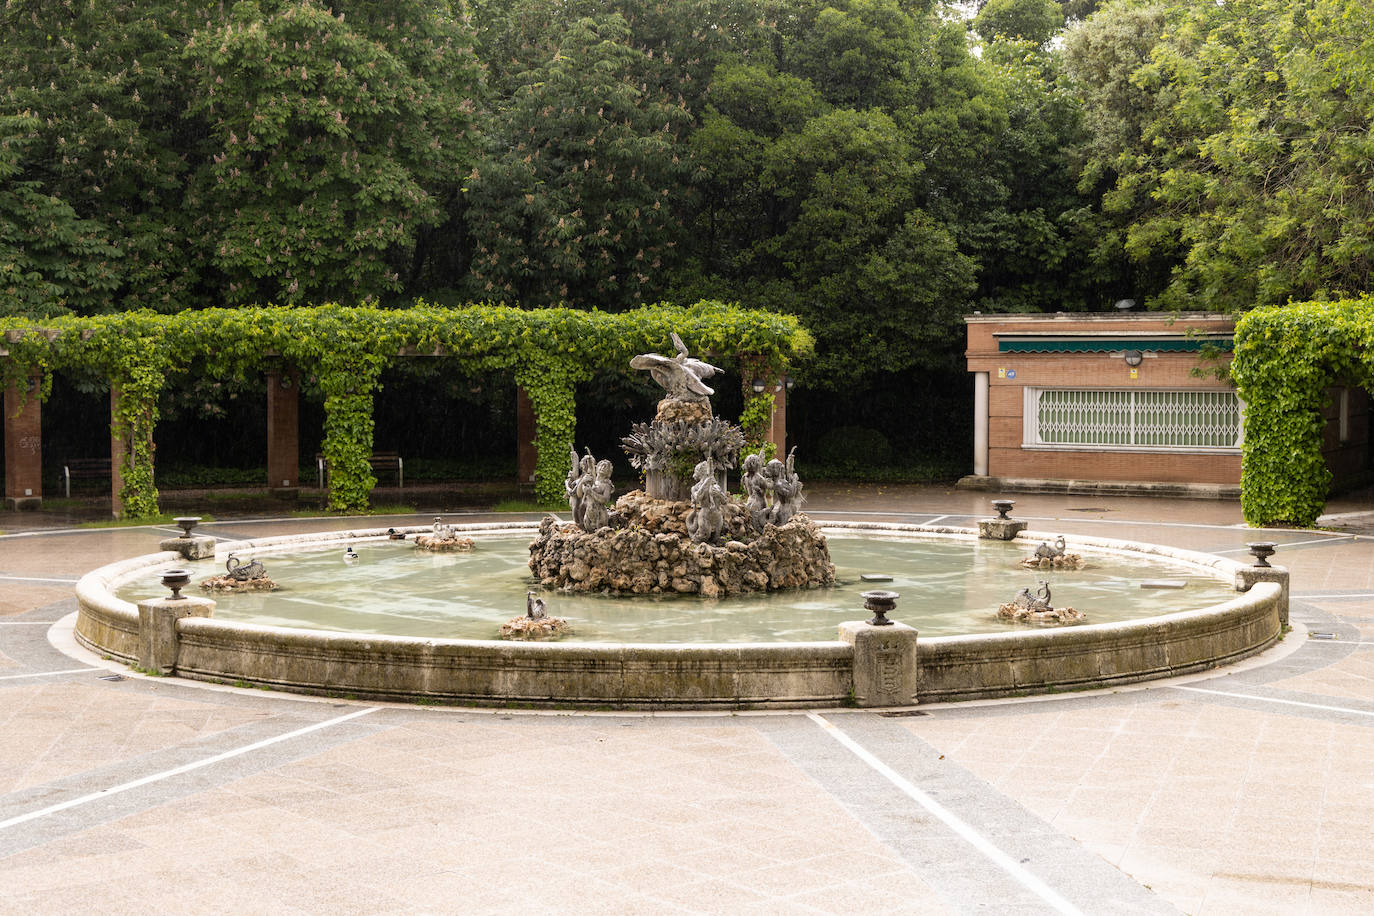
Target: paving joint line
x,y
177,771
38,579
960,827
1251,696
11,677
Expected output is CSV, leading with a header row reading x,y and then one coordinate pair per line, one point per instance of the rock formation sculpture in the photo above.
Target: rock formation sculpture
x,y
683,533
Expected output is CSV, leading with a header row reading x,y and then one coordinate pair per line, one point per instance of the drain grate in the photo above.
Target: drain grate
x,y
112,677
1313,634
1091,509
902,713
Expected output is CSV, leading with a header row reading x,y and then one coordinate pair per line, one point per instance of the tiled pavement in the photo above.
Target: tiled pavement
x,y
1249,790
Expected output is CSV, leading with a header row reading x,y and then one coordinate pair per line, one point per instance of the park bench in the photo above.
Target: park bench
x,y
87,468
380,461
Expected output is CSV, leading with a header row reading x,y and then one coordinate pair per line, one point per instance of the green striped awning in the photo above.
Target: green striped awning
x,y
1112,344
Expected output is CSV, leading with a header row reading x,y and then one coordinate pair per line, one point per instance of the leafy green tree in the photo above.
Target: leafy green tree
x,y
336,135
1035,21
1250,173
574,198
111,142
1014,213
276,150
1100,59
49,257
811,203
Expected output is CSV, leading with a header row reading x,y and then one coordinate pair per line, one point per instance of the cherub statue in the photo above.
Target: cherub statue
x,y
786,486
595,492
707,520
755,488
580,469
680,375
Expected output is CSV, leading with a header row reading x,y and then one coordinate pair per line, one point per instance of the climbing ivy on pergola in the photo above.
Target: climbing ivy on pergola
x,y
1286,359
549,351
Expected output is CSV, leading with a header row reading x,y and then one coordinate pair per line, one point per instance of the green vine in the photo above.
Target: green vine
x,y
756,419
1285,360
548,351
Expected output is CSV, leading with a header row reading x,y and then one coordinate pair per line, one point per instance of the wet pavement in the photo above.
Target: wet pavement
x,y
1249,789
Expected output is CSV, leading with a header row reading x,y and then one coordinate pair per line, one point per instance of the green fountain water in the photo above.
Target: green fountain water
x,y
947,587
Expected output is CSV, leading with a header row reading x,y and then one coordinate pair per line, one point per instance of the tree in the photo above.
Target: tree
x,y
1101,57
212,155
1250,174
574,198
50,258
336,137
1034,21
1014,213
110,142
811,188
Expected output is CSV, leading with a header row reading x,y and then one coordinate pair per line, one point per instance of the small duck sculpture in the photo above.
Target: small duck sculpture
x,y
240,571
534,607
1046,552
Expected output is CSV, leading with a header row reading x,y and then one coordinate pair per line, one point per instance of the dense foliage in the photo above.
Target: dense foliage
x,y
345,350
877,168
192,153
1236,149
1286,359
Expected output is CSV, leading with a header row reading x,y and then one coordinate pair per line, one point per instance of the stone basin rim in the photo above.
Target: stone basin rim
x,y
733,674
1220,568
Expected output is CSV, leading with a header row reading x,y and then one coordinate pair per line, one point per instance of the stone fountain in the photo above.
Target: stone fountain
x,y
683,533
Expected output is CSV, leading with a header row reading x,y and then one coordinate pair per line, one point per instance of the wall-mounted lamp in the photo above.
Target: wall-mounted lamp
x,y
787,382
759,386
1133,358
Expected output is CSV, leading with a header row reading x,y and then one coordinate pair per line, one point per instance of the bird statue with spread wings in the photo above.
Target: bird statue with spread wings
x,y
681,376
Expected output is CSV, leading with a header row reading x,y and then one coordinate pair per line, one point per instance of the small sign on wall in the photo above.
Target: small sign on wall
x,y
1135,373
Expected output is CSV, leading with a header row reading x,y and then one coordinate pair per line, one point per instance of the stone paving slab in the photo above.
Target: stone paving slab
x,y
1246,792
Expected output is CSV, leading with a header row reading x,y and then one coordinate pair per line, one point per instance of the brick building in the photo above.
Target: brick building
x,y
1123,401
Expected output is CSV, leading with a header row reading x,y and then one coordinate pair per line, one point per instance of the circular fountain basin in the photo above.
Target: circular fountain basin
x,y
383,629
949,587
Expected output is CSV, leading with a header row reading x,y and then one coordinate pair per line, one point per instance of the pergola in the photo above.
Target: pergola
x,y
547,351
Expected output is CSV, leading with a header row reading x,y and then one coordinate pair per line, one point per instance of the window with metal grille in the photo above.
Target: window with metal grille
x,y
1131,419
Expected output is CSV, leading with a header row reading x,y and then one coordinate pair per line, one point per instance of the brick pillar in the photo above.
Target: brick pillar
x,y
119,447
283,430
526,455
777,430
23,447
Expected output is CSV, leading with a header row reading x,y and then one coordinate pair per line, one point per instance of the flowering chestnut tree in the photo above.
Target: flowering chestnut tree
x,y
337,134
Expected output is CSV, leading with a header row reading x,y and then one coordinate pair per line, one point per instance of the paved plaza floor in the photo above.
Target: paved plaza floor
x,y
1247,790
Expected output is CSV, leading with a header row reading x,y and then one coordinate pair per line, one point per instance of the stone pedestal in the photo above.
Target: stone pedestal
x,y
1252,574
192,548
885,669
1000,529
23,426
157,630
